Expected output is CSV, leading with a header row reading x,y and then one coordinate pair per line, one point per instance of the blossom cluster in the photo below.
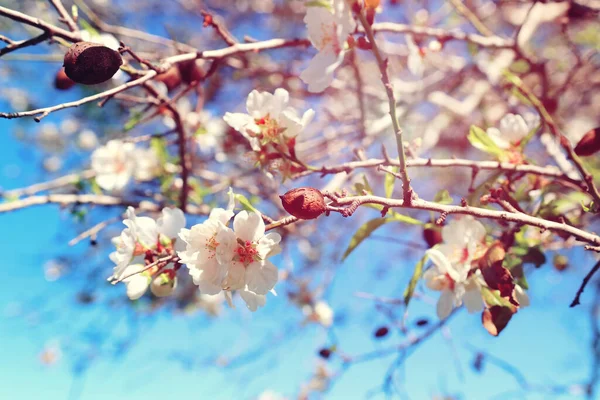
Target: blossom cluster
x,y
456,271
219,258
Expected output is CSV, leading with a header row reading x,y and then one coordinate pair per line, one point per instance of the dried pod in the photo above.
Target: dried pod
x,y
432,234
304,203
91,63
190,71
62,81
171,78
589,143
381,332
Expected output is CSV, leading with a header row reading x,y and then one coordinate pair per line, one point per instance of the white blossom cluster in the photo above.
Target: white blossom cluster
x,y
219,258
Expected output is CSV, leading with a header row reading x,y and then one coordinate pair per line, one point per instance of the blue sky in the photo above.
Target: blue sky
x,y
118,353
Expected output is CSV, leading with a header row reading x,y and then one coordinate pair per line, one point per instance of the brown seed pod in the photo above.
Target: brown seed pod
x,y
190,71
171,78
589,143
62,81
432,235
91,63
304,203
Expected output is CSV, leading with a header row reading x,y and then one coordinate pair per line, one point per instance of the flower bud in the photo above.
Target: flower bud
x,y
560,262
91,63
62,81
432,235
589,143
304,203
164,284
381,332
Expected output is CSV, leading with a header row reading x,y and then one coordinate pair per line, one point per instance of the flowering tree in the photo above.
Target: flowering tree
x,y
472,125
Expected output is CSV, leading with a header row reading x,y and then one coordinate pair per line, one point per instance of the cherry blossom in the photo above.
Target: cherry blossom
x,y
269,117
451,273
513,129
137,281
142,234
114,164
328,29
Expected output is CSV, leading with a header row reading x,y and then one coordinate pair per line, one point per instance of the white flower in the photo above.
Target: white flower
x,y
104,39
455,284
147,164
87,140
144,233
206,249
416,57
268,118
137,283
249,268
327,31
320,312
462,243
513,129
164,284
114,164
52,163
222,259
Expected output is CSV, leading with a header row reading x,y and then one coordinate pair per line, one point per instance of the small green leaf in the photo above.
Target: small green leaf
x,y
364,232
86,26
480,140
159,145
319,3
443,197
134,119
246,204
389,182
412,284
95,187
520,67
493,298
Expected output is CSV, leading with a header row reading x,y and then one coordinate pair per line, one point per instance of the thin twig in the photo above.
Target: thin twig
x,y
389,89
66,17
587,278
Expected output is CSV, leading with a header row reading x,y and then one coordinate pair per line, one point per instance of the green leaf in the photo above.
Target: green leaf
x,y
389,182
493,298
319,3
86,26
95,187
443,197
364,232
134,119
480,140
520,67
159,145
246,204
412,284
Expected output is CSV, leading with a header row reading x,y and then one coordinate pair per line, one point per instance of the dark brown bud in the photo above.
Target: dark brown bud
x,y
304,203
422,322
171,78
190,71
432,235
91,63
62,81
325,353
589,143
381,332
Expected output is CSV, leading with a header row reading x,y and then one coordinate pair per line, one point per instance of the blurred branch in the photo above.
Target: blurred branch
x,y
587,278
445,35
64,15
50,29
66,180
